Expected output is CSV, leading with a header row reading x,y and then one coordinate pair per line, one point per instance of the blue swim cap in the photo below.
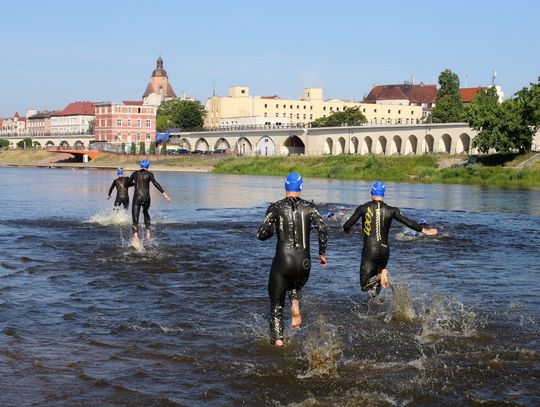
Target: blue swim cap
x,y
377,189
120,171
422,221
294,182
330,214
145,164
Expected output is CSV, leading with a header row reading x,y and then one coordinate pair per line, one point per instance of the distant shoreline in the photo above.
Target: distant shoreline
x,y
494,170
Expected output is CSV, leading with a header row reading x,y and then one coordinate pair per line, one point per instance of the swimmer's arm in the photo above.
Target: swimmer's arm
x,y
413,225
111,188
156,184
353,219
317,221
132,179
266,230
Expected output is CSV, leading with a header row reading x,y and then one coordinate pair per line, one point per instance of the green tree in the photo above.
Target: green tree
x,y
350,116
25,143
142,147
152,147
502,127
185,114
529,99
133,148
91,125
4,143
449,107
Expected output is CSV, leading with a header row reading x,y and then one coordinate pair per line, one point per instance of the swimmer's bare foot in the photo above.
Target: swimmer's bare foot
x,y
384,278
136,243
148,234
278,343
296,316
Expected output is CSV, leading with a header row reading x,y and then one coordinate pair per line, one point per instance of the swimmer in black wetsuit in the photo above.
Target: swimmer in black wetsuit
x,y
121,184
291,219
376,220
141,198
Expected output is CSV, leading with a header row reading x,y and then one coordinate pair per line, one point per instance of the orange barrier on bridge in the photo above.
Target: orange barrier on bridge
x,y
77,153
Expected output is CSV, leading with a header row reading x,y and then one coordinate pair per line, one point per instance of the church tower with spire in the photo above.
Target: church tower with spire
x,y
159,88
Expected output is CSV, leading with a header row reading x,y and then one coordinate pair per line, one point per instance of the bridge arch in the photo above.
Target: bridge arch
x,y
429,143
341,145
353,148
49,143
395,147
445,144
367,146
294,145
222,144
78,145
265,146
184,144
64,144
380,147
412,145
243,146
463,144
202,144
328,146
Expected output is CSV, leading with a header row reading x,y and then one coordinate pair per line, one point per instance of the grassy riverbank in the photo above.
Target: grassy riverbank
x,y
492,170
424,169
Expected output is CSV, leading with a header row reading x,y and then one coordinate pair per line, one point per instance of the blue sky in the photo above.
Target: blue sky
x,y
56,52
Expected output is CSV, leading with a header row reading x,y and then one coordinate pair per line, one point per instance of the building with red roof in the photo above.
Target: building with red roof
x,y
468,94
407,94
13,126
159,88
75,118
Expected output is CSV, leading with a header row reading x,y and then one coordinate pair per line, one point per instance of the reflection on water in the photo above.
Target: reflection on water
x,y
86,320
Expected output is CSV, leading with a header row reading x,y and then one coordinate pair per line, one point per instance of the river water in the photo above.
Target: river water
x,y
87,321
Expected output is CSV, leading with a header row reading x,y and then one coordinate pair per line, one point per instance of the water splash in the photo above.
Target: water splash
x,y
447,317
111,216
322,351
402,308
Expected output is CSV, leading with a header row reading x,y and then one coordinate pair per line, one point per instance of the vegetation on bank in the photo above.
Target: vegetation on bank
x,y
24,156
422,169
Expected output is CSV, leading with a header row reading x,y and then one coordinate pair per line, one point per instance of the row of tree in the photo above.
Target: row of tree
x,y
503,127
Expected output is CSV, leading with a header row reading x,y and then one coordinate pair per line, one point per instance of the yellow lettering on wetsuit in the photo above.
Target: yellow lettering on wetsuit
x,y
367,222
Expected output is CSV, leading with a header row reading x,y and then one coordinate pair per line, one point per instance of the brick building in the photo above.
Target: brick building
x,y
125,122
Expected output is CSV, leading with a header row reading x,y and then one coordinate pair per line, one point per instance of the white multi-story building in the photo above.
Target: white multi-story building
x,y
13,126
74,119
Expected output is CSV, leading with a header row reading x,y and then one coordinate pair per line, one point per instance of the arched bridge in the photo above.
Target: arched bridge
x,y
77,153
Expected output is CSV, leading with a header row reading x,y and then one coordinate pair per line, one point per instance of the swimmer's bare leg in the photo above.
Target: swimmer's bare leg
x,y
385,282
296,319
136,243
148,233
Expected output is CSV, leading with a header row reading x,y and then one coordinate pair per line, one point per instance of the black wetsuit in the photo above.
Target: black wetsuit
x,y
141,197
122,197
376,220
291,219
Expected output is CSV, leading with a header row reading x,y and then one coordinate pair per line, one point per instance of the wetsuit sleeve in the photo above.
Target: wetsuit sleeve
x,y
353,219
112,187
156,184
266,230
132,179
406,221
317,221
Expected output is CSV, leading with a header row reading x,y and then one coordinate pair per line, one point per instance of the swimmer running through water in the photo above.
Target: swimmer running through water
x,y
141,198
121,184
376,218
290,219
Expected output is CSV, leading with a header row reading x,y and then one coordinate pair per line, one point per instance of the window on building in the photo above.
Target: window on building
x,y
129,122
265,105
265,114
399,111
277,106
337,108
324,108
138,122
304,117
148,123
284,106
297,117
129,109
374,110
119,122
412,112
277,114
298,106
148,136
284,115
291,106
310,117
311,108
305,107
364,110
331,108
388,111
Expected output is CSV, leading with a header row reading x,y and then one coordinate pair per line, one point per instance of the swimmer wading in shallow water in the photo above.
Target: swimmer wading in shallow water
x,y
141,197
290,219
376,219
122,185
